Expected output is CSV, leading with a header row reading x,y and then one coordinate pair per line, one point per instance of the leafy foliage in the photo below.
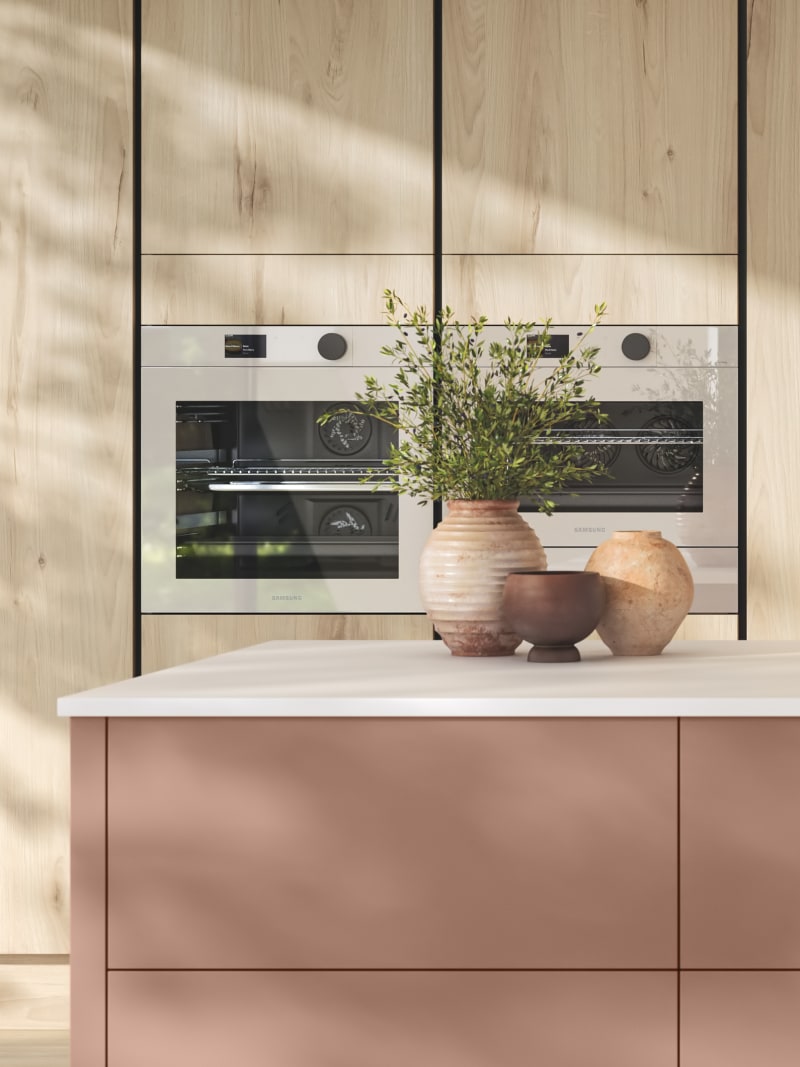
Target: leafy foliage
x,y
475,421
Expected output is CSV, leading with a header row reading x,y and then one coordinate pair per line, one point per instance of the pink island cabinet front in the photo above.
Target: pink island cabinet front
x,y
485,891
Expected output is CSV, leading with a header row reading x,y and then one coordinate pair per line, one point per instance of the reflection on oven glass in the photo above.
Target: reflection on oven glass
x,y
345,522
346,433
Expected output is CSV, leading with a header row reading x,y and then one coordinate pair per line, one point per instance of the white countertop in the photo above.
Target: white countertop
x,y
421,678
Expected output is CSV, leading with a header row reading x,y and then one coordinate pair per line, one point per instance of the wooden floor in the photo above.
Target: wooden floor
x,y
34,1048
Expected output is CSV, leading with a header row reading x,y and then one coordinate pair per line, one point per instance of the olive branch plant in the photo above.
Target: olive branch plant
x,y
478,421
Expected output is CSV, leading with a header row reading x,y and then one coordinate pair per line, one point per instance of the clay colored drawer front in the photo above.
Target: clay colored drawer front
x,y
740,843
740,1020
392,843
408,1019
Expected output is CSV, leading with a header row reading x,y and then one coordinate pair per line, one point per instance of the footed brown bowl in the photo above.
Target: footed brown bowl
x,y
553,610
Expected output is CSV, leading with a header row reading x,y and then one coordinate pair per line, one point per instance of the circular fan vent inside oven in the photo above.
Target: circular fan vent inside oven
x,y
672,455
346,433
345,521
603,451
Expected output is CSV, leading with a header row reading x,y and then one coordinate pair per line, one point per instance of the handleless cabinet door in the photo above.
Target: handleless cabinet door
x,y
577,127
739,1019
740,847
773,321
392,843
291,290
485,1019
663,289
66,430
286,126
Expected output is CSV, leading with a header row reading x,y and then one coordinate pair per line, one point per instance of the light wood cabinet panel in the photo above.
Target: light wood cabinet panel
x,y
392,1020
34,995
602,127
702,628
66,430
708,628
658,290
294,126
773,322
279,290
168,640
32,1048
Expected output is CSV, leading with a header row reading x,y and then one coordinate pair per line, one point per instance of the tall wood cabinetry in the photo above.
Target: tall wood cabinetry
x,y
65,461
590,154
287,178
773,320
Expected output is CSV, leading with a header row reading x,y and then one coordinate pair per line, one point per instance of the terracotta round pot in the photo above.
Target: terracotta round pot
x,y
463,569
553,610
649,590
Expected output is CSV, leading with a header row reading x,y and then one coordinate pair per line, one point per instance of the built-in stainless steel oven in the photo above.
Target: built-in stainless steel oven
x,y
669,445
248,503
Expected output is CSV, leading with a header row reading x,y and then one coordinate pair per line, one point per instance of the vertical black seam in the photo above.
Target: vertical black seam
x,y
438,62
437,153
742,49
136,242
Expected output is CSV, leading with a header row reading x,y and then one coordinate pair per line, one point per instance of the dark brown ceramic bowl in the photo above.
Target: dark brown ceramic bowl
x,y
553,610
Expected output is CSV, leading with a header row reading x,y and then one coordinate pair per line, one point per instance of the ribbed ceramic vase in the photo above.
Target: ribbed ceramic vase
x,y
649,590
463,569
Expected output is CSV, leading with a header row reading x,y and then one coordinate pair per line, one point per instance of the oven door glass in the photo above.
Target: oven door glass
x,y
264,491
249,505
652,455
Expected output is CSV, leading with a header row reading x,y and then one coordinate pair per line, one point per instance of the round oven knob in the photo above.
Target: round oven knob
x,y
331,346
635,346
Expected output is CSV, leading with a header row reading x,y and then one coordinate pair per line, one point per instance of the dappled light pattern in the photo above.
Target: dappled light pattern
x,y
65,431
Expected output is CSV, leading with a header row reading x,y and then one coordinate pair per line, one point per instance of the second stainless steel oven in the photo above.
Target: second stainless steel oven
x,y
248,503
669,445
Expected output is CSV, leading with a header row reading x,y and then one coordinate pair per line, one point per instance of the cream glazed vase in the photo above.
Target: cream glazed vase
x,y
463,569
649,590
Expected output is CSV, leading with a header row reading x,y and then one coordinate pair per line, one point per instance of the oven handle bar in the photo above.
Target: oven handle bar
x,y
296,487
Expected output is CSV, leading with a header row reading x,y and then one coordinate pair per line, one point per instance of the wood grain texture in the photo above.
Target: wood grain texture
x,y
278,290
708,628
653,289
65,432
35,1048
773,322
168,640
295,126
602,127
393,1020
34,996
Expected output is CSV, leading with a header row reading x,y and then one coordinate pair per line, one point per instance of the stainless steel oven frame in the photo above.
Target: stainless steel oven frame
x,y
189,363
664,364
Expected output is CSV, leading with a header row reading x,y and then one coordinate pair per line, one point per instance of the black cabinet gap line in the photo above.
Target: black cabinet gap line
x,y
136,243
741,225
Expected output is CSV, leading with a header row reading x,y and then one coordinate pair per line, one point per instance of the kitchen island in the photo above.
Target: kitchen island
x,y
372,854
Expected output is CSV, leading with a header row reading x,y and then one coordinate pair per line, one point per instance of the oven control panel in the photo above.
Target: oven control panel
x,y
266,346
639,346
